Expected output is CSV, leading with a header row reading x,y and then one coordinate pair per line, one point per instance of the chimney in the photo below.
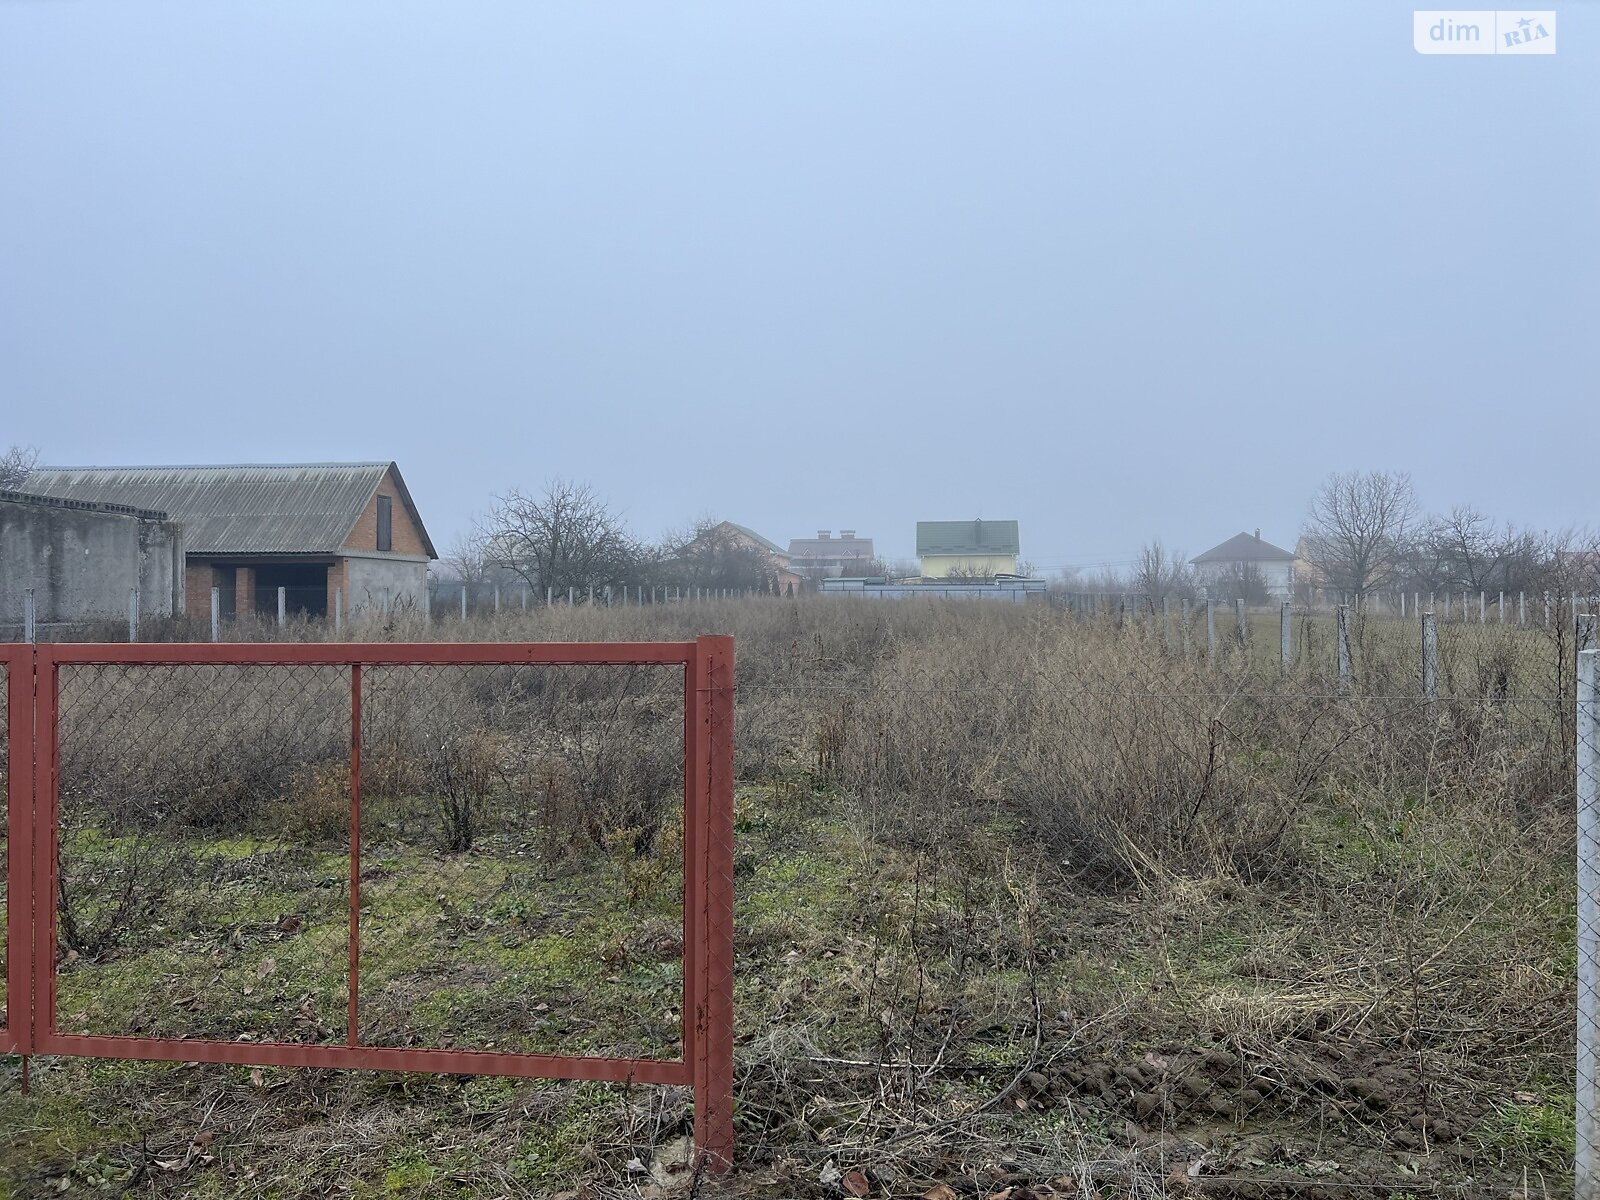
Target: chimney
x,y
1258,535
847,533
822,535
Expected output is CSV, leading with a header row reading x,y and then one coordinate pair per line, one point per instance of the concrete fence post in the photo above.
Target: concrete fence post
x,y
1483,608
1286,634
591,595
1211,630
1402,606
216,614
463,600
1522,609
1583,633
571,597
133,614
1501,608
338,611
427,601
549,597
608,595
1547,610
1342,624
1430,658
1239,618
1166,622
524,597
388,601
497,597
1586,1168
30,631
283,606
1185,617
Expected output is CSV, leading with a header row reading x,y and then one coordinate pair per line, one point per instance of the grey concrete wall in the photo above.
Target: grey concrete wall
x,y
81,563
404,579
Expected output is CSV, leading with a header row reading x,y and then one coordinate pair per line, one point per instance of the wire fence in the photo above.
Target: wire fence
x,y
473,859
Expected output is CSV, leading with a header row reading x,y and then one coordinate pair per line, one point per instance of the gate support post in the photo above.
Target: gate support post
x,y
713,956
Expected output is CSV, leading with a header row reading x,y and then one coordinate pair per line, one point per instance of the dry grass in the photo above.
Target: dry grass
x,y
1020,899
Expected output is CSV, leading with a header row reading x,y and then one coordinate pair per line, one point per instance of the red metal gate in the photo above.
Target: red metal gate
x,y
706,1062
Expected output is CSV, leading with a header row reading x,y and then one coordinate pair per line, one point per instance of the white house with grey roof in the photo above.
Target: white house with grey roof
x,y
1232,559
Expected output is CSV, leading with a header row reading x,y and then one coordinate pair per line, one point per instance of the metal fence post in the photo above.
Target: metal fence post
x,y
1587,1177
1342,622
1430,658
30,631
133,614
1286,634
1211,630
713,954
216,614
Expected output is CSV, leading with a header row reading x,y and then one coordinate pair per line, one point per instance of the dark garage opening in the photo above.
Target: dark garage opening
x,y
305,589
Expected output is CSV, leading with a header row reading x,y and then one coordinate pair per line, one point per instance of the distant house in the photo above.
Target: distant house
x,y
313,529
1243,553
826,556
971,548
702,553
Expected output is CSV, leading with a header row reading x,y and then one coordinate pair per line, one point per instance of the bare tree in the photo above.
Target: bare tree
x,y
712,554
1358,529
16,464
1240,581
563,537
1161,573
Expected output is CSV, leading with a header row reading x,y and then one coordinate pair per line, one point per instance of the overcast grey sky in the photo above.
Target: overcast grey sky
x,y
1118,271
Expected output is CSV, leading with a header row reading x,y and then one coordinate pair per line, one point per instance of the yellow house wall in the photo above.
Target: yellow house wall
x,y
938,566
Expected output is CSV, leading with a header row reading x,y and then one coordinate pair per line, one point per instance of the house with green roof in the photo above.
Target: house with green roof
x,y
979,548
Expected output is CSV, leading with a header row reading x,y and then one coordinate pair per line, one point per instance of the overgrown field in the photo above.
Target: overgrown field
x,y
1023,903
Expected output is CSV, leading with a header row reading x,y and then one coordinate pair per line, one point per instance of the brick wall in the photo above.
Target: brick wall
x,y
198,578
406,538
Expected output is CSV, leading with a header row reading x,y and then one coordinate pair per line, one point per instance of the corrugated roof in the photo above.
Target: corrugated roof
x,y
967,537
1244,547
290,508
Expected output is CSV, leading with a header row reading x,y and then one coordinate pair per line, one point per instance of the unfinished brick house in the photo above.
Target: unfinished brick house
x,y
317,530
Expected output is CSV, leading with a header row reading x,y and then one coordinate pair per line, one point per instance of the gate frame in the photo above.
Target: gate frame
x,y
706,1059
